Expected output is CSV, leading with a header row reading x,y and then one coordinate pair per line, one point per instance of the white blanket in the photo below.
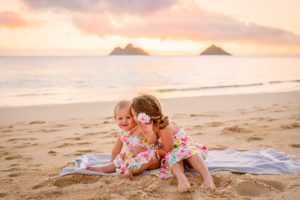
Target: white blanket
x,y
267,161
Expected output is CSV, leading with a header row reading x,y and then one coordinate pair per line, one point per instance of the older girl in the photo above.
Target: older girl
x,y
174,146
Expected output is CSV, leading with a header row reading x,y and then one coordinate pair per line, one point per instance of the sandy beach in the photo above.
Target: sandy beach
x,y
36,142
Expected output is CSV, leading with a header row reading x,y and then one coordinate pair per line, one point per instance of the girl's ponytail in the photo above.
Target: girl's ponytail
x,y
162,122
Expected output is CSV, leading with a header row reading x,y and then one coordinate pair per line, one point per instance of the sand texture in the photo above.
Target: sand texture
x,y
37,142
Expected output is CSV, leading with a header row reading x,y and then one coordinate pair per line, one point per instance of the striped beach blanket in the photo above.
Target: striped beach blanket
x,y
266,161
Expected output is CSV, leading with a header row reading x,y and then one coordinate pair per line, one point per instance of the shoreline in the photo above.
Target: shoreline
x,y
90,110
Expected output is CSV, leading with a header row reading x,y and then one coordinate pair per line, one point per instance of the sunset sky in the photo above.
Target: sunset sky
x,y
164,27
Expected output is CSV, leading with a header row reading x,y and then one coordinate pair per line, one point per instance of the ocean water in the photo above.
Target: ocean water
x,y
28,81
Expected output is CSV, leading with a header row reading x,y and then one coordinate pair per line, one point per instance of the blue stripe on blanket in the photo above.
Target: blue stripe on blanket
x,y
267,161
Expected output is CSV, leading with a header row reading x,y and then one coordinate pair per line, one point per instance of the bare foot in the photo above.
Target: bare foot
x,y
128,174
183,185
209,183
96,169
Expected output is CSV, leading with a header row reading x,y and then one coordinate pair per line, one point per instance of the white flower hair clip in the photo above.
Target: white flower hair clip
x,y
143,118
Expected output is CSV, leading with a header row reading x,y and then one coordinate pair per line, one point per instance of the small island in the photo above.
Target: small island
x,y
214,50
129,50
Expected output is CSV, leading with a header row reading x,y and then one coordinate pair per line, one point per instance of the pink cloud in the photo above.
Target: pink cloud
x,y
164,19
101,6
11,19
192,24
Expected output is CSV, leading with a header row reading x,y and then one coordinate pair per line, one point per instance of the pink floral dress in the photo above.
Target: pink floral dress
x,y
184,147
131,162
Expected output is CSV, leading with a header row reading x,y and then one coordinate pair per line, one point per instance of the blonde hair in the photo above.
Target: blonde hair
x,y
120,105
151,106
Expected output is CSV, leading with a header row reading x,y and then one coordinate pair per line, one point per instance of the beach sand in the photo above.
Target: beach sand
x,y
36,142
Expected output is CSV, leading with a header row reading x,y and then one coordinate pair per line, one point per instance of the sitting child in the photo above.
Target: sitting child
x,y
141,152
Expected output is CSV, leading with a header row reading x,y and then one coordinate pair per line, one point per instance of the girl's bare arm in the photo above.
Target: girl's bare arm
x,y
166,136
117,148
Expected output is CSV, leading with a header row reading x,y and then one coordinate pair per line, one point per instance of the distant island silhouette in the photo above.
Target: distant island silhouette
x,y
214,50
128,50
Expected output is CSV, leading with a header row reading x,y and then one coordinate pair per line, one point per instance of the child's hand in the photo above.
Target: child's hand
x,y
137,150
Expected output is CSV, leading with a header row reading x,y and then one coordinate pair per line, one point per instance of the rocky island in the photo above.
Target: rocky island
x,y
129,50
214,50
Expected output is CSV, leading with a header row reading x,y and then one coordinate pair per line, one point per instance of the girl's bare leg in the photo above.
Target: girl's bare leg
x,y
178,171
198,164
109,168
153,164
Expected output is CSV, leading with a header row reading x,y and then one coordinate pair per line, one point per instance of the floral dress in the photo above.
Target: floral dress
x,y
184,148
130,161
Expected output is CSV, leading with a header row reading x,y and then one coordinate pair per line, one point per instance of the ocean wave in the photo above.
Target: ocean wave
x,y
35,94
162,90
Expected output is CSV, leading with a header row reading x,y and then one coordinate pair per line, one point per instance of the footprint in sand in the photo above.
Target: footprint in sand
x,y
81,152
60,126
235,129
83,143
73,138
290,126
37,122
254,138
261,119
2,194
274,184
25,144
65,145
218,147
85,126
14,169
254,188
107,122
91,134
296,117
214,124
5,153
277,111
13,157
5,131
251,188
85,151
52,153
49,130
295,145
20,139
14,175
75,179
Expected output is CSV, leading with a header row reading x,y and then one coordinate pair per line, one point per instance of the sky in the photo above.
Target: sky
x,y
162,28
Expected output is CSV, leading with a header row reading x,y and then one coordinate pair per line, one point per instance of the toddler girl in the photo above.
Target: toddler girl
x,y
141,152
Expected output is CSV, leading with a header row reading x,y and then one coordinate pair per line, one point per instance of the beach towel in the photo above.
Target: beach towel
x,y
267,161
